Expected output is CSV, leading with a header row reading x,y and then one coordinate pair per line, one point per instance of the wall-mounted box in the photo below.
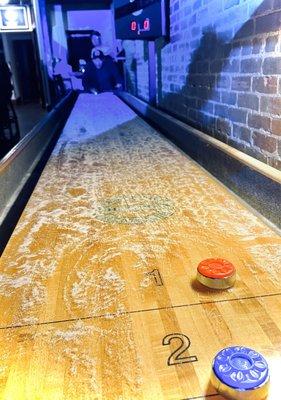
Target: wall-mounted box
x,y
141,19
15,19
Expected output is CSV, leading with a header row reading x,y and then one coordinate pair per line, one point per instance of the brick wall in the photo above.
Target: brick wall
x,y
221,72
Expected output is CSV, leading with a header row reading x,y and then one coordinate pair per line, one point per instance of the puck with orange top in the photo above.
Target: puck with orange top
x,y
216,273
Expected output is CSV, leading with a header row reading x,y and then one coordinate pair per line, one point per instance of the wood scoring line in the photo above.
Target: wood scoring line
x,y
138,311
202,397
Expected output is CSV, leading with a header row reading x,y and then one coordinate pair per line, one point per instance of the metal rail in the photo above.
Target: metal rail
x,y
17,167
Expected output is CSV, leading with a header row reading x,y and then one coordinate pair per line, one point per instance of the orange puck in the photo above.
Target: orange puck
x,y
216,273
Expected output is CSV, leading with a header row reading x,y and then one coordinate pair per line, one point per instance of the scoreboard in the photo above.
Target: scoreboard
x,y
141,19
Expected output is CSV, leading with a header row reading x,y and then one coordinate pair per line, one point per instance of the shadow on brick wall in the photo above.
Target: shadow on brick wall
x,y
132,85
131,71
159,45
218,97
206,64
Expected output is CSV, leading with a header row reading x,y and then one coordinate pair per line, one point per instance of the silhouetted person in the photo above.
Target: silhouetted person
x,y
120,58
98,45
95,39
101,74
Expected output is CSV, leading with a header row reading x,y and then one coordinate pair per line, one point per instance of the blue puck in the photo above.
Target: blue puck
x,y
241,368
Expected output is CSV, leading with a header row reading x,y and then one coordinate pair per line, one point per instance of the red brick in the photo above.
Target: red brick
x,y
268,23
223,82
192,114
275,163
242,133
202,67
250,101
229,98
271,66
176,38
230,3
266,143
216,66
259,122
194,44
241,83
197,4
216,95
207,121
206,106
265,84
271,105
251,65
246,46
265,6
231,66
271,43
204,93
235,49
221,110
257,45
276,127
246,30
201,79
190,102
196,30
237,115
223,128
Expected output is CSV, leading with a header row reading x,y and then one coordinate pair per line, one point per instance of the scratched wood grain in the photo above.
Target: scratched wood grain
x,y
109,243
123,357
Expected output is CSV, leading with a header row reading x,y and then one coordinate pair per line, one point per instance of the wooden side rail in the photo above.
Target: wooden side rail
x,y
252,180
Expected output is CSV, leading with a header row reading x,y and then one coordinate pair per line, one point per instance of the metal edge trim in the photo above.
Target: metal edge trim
x,y
19,147
251,162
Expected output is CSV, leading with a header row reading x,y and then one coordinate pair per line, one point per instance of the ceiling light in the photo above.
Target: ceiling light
x,y
4,2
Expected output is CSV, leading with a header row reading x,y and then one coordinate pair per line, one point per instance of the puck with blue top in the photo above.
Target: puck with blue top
x,y
240,373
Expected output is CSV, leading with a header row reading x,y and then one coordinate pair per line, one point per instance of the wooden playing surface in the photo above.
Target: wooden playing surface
x,y
97,284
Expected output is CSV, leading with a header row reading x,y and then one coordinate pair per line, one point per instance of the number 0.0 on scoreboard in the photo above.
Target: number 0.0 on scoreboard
x,y
141,19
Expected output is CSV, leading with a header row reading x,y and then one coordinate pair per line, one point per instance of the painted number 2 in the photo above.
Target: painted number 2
x,y
178,357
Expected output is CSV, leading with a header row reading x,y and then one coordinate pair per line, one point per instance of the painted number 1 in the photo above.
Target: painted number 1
x,y
156,276
178,357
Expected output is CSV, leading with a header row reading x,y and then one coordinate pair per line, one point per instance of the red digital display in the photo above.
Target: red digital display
x,y
133,26
140,27
146,24
141,19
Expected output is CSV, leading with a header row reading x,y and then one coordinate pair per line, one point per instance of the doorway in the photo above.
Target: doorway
x,y
25,61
